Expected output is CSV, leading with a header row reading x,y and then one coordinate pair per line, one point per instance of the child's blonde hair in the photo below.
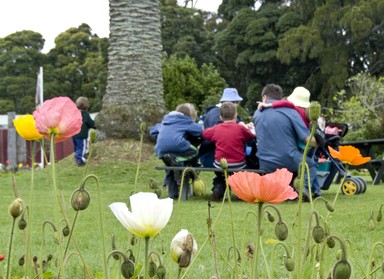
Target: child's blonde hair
x,y
187,109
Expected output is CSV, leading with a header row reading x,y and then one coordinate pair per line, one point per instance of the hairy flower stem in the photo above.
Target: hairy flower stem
x,y
31,197
56,207
139,157
212,238
299,272
146,257
10,248
255,271
369,271
232,220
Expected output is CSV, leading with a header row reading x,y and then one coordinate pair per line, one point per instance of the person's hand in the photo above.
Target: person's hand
x,y
261,105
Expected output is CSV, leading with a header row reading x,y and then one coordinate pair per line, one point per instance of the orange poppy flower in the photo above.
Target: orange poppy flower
x,y
270,188
349,154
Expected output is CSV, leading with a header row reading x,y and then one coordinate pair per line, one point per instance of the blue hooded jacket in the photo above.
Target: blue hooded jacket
x,y
172,133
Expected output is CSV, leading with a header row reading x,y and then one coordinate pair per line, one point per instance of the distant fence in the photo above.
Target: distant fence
x,y
15,150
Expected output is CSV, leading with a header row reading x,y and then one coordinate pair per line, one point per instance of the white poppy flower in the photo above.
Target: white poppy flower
x,y
148,215
183,248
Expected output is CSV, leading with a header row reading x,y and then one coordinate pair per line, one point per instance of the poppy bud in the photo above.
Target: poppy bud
x,y
127,269
80,199
314,111
339,254
161,271
142,127
92,135
289,264
56,237
250,250
152,269
331,242
131,257
22,224
270,217
223,163
342,270
66,231
183,248
296,184
318,234
198,187
158,192
49,258
133,240
371,224
16,208
379,216
329,207
22,261
34,259
281,230
152,184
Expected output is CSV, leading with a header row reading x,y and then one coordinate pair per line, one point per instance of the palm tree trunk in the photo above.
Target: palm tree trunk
x,y
135,84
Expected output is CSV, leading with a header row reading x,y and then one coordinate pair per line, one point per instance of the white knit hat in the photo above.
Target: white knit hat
x,y
300,97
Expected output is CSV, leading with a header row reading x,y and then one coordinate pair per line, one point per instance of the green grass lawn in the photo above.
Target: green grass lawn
x,y
115,166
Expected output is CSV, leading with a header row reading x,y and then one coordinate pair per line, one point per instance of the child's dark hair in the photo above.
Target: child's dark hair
x,y
82,103
187,109
228,111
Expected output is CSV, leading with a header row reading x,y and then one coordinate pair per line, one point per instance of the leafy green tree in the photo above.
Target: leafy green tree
x,y
361,107
20,58
185,82
184,33
78,66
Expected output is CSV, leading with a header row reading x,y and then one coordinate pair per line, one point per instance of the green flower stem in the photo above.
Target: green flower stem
x,y
146,257
302,169
56,201
31,197
232,219
370,272
10,248
139,157
255,271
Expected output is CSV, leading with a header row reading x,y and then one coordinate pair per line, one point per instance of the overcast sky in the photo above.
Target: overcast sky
x,y
51,17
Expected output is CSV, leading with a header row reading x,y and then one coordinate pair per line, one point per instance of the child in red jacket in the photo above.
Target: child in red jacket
x,y
230,139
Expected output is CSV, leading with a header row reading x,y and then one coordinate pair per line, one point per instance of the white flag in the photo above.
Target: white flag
x,y
39,88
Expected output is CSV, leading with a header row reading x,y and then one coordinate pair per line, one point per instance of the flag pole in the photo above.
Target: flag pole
x,y
39,101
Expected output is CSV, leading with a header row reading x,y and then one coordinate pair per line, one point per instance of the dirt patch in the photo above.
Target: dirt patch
x,y
121,150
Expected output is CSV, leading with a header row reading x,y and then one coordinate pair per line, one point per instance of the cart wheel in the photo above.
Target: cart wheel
x,y
363,184
350,187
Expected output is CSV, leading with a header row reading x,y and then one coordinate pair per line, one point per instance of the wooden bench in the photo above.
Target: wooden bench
x,y
375,166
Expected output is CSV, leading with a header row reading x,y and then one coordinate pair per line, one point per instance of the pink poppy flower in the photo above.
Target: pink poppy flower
x,y
2,257
58,116
270,188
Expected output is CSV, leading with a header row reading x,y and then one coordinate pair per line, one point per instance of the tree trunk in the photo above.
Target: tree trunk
x,y
135,84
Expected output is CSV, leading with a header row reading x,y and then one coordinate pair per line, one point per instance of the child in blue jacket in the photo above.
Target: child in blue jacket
x,y
176,137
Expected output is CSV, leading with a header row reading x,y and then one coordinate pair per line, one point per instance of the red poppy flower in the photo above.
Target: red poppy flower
x,y
270,188
2,257
349,154
58,116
